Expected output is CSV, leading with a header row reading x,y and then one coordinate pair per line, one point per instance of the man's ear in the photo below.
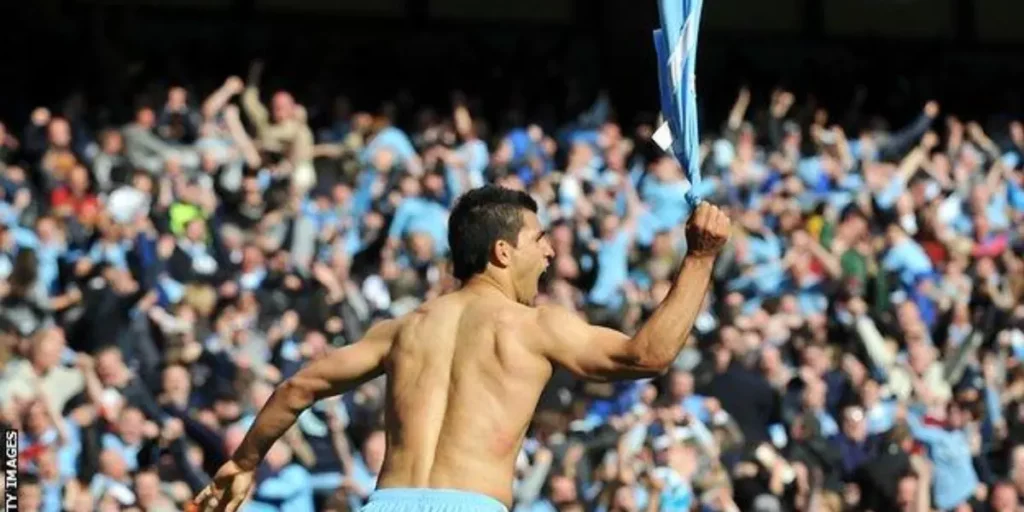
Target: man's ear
x,y
501,254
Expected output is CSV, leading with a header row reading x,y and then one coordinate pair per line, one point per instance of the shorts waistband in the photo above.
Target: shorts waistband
x,y
448,496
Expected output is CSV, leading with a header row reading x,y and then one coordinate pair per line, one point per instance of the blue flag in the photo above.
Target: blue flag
x,y
676,46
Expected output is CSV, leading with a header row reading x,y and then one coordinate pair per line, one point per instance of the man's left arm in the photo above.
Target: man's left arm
x,y
338,372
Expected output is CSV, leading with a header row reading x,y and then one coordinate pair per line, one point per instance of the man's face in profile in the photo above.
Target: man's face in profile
x,y
530,257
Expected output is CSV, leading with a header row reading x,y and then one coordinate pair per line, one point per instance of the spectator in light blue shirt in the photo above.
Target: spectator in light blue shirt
x,y
129,439
361,477
681,389
906,257
949,448
360,482
475,157
324,210
51,481
879,413
392,139
561,490
422,215
282,486
613,257
993,205
612,267
50,250
663,190
34,494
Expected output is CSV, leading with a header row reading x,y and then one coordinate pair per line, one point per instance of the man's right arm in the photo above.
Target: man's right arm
x,y
603,354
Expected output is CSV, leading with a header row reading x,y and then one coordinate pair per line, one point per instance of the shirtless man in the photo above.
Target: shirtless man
x,y
465,370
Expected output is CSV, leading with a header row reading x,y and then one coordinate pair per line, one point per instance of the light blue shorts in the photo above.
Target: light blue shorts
x,y
431,500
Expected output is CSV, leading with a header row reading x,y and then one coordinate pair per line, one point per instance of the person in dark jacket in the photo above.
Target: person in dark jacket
x,y
879,477
854,444
744,394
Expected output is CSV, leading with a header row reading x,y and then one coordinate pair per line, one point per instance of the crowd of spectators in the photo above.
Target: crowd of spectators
x,y
860,348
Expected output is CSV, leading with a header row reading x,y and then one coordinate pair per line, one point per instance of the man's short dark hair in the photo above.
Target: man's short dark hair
x,y
481,218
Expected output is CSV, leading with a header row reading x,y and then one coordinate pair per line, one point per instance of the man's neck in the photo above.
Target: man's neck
x,y
489,284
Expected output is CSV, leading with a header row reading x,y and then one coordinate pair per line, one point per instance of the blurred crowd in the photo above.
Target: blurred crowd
x,y
860,348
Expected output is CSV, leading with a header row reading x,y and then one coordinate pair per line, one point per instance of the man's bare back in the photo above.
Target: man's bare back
x,y
463,383
465,370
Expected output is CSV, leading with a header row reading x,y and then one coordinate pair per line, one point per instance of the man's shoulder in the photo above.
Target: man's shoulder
x,y
553,312
555,323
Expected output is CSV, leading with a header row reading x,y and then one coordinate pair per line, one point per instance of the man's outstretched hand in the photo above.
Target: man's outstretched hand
x,y
707,232
229,489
